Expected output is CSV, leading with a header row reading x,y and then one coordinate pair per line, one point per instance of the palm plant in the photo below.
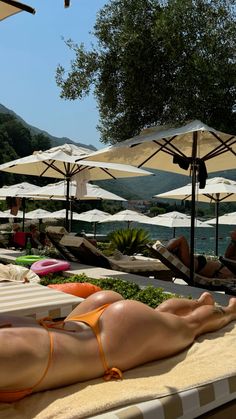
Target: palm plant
x,y
129,241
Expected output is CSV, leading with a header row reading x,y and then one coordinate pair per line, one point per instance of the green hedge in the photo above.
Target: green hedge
x,y
129,290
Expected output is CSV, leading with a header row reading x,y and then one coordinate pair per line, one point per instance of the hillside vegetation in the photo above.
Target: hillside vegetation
x,y
19,139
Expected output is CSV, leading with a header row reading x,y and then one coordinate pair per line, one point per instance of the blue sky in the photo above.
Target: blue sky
x,y
31,47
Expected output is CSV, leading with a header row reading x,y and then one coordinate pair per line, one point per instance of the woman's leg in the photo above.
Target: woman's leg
x,y
94,301
211,318
148,335
184,306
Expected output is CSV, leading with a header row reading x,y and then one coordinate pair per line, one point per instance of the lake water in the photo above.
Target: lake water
x,y
204,237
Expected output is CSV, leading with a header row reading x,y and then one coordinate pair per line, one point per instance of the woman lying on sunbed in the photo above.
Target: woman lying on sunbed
x,y
103,336
209,268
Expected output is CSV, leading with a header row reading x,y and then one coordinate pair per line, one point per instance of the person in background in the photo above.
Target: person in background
x,y
230,252
45,242
35,236
15,227
209,268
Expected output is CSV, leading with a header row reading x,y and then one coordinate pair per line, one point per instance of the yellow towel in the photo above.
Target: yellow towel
x,y
210,358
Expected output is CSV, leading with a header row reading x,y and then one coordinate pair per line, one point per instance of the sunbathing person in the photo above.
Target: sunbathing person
x,y
209,268
103,336
230,252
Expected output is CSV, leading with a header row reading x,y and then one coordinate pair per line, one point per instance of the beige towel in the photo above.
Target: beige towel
x,y
210,358
11,272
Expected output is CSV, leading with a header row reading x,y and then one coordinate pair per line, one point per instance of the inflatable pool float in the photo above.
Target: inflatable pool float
x,y
47,266
28,260
79,289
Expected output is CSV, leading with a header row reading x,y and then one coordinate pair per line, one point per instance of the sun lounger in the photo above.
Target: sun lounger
x,y
79,249
35,300
192,383
55,234
179,270
88,254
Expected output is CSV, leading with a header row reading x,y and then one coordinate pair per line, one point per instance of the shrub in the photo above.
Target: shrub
x,y
129,241
129,290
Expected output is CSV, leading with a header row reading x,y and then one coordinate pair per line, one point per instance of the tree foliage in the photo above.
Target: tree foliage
x,y
157,63
17,141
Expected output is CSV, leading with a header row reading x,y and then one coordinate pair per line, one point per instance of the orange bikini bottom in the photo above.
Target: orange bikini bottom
x,y
92,320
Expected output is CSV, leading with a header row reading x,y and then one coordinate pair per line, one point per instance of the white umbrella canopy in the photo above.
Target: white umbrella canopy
x,y
57,191
8,214
195,147
38,214
175,219
157,146
61,214
127,216
59,164
64,164
93,216
21,190
3,214
11,7
229,219
217,189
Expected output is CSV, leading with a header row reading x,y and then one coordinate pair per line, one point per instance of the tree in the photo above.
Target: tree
x,y
157,63
40,142
16,141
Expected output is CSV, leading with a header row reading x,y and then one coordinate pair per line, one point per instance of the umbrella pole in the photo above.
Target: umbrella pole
x,y
67,203
217,225
94,229
23,208
194,167
71,217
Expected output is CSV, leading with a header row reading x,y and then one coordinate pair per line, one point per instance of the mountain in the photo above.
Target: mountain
x,y
55,141
140,188
145,187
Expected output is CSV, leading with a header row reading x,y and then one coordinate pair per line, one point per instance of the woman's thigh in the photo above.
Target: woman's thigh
x,y
133,333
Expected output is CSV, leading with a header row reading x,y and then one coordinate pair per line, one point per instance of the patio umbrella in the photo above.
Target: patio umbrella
x,y
19,190
63,164
217,189
8,214
176,219
229,219
38,214
194,147
57,191
11,7
93,216
61,214
127,216
3,214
